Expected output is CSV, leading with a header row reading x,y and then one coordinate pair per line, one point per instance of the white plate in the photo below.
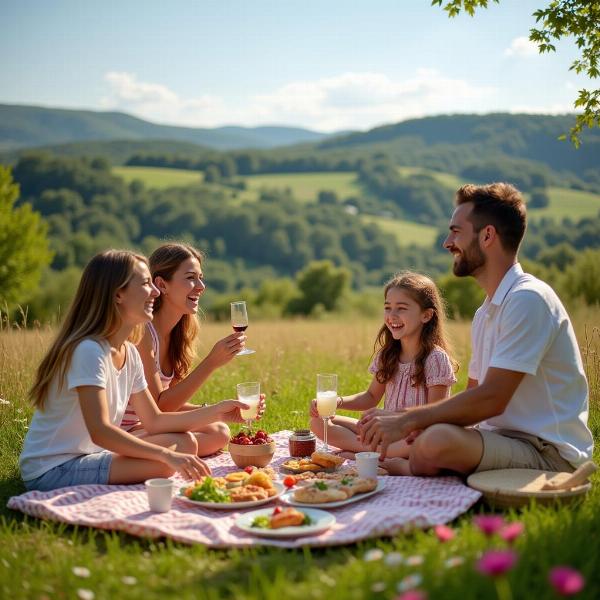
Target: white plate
x,y
288,497
321,521
232,505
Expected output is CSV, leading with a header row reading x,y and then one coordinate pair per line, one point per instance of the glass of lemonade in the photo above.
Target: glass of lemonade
x,y
249,393
326,400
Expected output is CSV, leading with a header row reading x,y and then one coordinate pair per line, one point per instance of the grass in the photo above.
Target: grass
x,y
306,186
565,203
159,178
37,558
406,232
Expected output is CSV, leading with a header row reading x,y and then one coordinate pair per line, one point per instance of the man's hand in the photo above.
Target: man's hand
x,y
375,412
382,430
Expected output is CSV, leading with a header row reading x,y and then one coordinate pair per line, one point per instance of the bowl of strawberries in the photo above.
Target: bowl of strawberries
x,y
249,449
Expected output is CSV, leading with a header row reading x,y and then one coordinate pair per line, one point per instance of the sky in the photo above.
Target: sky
x,y
326,65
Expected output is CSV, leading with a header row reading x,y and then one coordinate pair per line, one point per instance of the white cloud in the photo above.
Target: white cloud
x,y
346,101
155,101
521,47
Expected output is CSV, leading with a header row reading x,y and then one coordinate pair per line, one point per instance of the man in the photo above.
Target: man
x,y
527,393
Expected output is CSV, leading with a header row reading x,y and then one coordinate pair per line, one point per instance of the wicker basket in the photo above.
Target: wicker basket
x,y
512,488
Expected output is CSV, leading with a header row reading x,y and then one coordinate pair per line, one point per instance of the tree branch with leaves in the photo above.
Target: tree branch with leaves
x,y
577,19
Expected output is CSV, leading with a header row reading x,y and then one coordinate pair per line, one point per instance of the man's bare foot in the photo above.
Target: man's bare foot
x,y
347,455
396,466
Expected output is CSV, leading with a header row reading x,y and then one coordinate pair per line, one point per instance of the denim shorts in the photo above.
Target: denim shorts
x,y
88,468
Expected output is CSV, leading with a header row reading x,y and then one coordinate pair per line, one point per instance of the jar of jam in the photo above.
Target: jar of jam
x,y
303,442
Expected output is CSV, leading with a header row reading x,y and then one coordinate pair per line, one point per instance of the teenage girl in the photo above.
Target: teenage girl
x,y
85,381
167,346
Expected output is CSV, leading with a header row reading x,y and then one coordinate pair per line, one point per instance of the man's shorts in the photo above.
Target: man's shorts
x,y
506,449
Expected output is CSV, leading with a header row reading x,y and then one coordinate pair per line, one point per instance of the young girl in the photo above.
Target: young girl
x,y
86,379
167,345
411,365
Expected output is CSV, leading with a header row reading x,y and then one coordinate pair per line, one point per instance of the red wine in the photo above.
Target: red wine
x,y
240,327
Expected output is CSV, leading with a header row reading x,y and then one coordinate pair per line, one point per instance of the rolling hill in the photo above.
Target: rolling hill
x,y
33,126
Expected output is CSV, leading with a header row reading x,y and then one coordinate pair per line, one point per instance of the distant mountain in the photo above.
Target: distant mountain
x,y
33,126
459,138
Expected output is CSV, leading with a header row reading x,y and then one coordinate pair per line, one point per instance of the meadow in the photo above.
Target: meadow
x,y
305,187
159,178
48,560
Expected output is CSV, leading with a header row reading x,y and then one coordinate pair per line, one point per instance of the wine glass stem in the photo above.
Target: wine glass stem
x,y
325,433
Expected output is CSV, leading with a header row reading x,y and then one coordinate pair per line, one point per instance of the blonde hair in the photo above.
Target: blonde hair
x,y
93,313
426,294
164,261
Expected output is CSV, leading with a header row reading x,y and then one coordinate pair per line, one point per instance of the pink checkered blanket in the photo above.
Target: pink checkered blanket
x,y
404,503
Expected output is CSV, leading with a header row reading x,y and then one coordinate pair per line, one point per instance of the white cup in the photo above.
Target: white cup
x,y
366,463
160,494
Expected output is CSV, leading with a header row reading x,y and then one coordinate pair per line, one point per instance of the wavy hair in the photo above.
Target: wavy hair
x,y
93,313
426,294
164,261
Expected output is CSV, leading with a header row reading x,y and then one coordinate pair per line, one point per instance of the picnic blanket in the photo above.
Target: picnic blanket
x,y
404,503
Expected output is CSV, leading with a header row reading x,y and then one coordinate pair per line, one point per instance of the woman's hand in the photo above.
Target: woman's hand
x,y
230,410
189,466
224,350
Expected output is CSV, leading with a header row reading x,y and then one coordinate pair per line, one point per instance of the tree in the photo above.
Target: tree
x,y
539,199
24,250
320,283
578,19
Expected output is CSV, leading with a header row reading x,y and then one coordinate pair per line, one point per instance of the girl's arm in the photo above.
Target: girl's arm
x,y
361,401
437,392
94,408
156,421
173,398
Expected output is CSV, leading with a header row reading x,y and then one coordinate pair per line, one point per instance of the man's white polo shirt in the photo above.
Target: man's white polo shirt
x,y
525,328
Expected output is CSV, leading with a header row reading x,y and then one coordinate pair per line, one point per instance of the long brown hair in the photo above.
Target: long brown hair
x,y
93,313
164,261
426,294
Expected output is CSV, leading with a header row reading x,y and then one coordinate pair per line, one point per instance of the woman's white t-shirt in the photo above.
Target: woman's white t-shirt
x,y
58,433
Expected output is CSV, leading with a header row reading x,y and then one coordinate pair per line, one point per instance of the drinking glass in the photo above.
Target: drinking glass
x,y
239,322
249,393
326,400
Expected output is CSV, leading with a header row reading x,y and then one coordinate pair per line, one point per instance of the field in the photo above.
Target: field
x,y
565,203
37,558
159,178
306,186
406,232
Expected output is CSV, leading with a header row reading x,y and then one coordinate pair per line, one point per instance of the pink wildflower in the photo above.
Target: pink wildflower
x,y
509,533
489,524
444,533
412,595
566,581
496,562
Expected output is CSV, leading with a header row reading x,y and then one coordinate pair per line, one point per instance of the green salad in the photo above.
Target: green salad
x,y
208,491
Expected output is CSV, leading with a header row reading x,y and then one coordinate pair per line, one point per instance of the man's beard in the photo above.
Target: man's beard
x,y
469,260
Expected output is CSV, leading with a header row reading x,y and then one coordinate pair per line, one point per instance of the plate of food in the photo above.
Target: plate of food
x,y
285,522
318,462
332,493
233,491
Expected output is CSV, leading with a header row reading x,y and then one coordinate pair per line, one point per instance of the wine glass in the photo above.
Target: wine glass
x,y
239,322
249,393
326,400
